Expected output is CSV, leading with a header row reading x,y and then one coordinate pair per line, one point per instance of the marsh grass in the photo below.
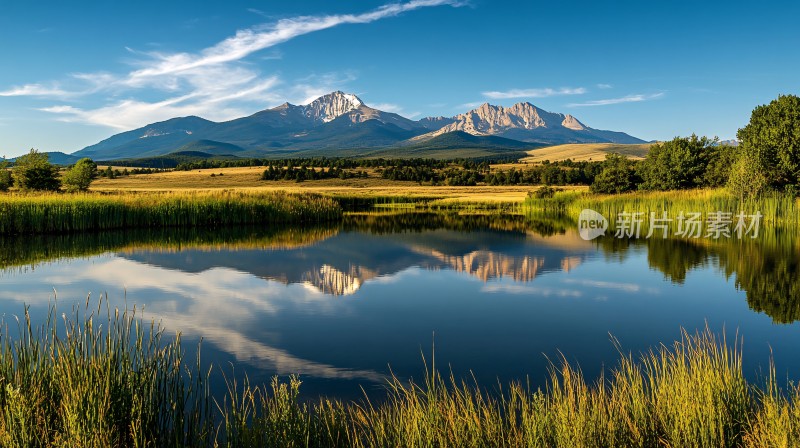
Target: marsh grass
x,y
776,208
101,377
476,202
32,250
98,378
64,213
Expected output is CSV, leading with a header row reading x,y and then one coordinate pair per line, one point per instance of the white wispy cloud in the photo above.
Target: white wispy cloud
x,y
213,103
396,109
258,12
604,86
38,90
620,286
217,82
625,99
222,302
388,107
627,287
470,105
533,93
249,41
530,290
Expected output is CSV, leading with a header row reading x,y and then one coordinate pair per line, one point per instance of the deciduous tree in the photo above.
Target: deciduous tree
x,y
617,176
33,171
772,141
80,175
677,164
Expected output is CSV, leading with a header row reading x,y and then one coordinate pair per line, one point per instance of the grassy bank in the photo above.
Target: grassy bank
x,y
63,213
100,377
779,209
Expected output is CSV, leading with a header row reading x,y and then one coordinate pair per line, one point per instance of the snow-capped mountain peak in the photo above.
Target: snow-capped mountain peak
x,y
333,105
353,99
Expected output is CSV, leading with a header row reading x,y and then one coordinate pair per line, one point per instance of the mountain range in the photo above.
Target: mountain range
x,y
340,124
341,263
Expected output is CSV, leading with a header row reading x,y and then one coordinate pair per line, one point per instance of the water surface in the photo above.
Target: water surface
x,y
343,306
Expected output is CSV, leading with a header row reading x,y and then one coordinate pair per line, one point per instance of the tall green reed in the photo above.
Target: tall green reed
x,y
63,213
98,378
102,377
776,208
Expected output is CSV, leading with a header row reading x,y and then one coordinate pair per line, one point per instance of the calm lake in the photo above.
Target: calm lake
x,y
345,305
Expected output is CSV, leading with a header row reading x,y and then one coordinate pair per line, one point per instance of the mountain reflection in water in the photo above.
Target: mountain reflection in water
x,y
339,304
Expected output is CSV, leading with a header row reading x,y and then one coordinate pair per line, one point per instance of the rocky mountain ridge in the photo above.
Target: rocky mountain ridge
x,y
341,124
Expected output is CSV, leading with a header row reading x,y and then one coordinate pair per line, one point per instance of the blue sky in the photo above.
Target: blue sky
x,y
72,76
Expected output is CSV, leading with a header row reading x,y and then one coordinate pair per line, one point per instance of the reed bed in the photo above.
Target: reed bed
x,y
65,213
32,250
101,377
98,378
425,203
776,208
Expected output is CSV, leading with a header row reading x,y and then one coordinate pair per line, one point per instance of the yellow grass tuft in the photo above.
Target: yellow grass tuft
x,y
102,377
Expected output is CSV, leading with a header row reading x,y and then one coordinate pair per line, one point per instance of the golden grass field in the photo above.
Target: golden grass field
x,y
579,152
249,179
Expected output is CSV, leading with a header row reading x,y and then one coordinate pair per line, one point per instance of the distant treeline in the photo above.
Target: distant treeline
x,y
303,173
434,172
428,171
113,173
460,172
564,172
325,162
470,173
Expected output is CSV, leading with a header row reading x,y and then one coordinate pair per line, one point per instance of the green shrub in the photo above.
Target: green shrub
x,y
5,176
544,192
748,179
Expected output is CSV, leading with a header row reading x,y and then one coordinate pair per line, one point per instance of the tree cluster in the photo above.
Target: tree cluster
x,y
303,173
34,172
557,173
681,163
767,158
